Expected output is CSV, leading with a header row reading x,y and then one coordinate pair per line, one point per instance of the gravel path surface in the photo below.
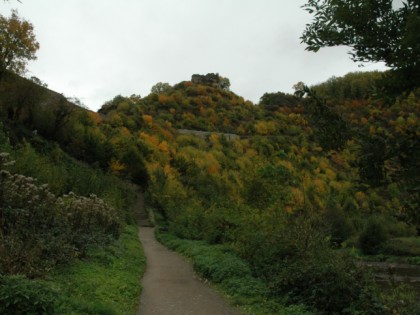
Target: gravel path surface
x,y
170,286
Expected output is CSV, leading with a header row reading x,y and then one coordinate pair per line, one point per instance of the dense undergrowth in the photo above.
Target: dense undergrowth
x,y
66,246
107,282
231,275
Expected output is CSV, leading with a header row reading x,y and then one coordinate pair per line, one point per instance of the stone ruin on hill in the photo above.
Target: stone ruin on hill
x,y
211,79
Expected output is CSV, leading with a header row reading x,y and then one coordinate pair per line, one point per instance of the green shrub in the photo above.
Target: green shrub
x,y
403,246
39,230
327,283
49,164
89,220
401,299
372,238
106,282
337,226
217,266
246,287
19,295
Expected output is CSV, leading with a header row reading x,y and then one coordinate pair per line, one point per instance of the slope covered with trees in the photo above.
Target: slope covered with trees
x,y
304,178
283,195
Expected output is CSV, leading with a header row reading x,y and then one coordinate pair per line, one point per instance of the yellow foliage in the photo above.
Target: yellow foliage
x,y
214,119
201,90
336,185
148,119
286,164
163,99
203,111
213,169
338,159
208,162
152,167
360,196
149,139
251,153
237,144
331,175
188,116
294,149
298,196
240,130
319,186
115,119
265,127
163,147
125,132
244,162
167,133
226,122
412,120
115,166
323,164
96,118
306,180
167,170
214,138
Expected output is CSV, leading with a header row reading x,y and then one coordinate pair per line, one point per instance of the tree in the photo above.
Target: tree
x,y
160,88
224,83
331,130
372,28
18,44
273,101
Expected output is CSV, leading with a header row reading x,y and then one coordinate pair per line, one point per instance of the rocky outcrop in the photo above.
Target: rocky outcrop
x,y
212,79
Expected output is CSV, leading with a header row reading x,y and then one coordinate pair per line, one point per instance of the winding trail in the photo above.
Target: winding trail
x,y
170,286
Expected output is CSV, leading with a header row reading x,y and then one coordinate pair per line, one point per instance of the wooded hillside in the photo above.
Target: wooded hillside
x,y
305,182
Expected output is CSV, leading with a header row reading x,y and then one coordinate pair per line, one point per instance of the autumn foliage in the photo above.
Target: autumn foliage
x,y
266,180
18,44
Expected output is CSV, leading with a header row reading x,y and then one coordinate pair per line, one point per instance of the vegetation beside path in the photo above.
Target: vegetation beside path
x,y
68,239
231,276
108,282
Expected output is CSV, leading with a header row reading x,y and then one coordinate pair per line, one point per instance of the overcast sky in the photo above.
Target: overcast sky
x,y
95,50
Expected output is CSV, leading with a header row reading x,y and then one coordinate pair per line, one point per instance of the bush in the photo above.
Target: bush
x,y
328,283
217,266
19,295
39,230
373,237
296,262
337,225
403,246
89,219
49,164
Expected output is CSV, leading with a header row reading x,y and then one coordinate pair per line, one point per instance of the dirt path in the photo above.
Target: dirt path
x,y
170,286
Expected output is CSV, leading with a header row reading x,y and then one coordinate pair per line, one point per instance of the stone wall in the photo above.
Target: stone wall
x,y
205,134
212,79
